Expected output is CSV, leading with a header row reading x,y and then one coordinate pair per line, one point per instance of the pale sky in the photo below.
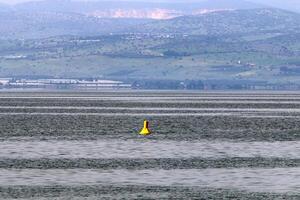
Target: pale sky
x,y
285,3
11,2
20,1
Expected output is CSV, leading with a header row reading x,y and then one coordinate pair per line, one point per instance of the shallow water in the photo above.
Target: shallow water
x,y
278,180
106,149
68,145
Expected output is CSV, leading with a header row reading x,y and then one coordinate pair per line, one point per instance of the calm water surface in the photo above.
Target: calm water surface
x,y
29,116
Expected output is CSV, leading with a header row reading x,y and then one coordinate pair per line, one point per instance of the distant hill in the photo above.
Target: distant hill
x,y
228,4
253,21
26,25
131,9
42,19
88,6
292,5
255,57
225,42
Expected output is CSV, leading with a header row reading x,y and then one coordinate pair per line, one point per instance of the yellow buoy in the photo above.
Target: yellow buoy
x,y
145,130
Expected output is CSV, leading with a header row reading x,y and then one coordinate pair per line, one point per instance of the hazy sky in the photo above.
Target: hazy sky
x,y
20,1
289,3
12,1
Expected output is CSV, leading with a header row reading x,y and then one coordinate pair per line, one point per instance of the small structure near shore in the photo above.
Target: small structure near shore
x,y
64,84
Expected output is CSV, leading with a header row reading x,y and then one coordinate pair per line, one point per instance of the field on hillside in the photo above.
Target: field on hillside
x,y
163,57
204,145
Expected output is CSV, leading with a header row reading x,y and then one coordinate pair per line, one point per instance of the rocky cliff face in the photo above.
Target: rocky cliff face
x,y
156,13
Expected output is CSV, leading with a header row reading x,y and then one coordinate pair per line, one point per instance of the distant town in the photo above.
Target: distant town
x,y
62,84
100,84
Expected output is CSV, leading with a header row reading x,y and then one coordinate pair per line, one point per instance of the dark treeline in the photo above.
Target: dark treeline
x,y
168,84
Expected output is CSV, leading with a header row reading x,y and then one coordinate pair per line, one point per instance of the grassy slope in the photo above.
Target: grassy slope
x,y
255,55
118,57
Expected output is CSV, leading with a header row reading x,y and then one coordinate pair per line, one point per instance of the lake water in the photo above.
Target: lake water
x,y
204,145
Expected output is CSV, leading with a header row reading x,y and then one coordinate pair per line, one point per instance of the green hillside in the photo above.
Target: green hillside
x,y
33,25
250,49
122,57
228,22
